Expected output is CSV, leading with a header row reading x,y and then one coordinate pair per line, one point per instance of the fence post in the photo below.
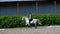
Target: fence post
x,y
36,7
18,8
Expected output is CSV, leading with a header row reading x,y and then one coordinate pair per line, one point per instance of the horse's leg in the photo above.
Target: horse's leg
x,y
25,24
35,25
29,24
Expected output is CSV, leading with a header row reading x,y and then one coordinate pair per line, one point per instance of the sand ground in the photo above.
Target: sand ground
x,y
39,30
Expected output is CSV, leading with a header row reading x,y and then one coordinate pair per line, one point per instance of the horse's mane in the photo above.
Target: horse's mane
x,y
25,16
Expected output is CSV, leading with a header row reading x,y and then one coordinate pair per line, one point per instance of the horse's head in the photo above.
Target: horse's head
x,y
23,18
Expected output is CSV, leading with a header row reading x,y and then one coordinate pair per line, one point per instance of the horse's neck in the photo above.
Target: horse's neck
x,y
26,18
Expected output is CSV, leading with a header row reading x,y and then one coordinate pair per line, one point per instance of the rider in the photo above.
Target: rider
x,y
30,17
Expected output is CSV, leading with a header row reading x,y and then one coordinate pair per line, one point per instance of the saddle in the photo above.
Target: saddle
x,y
30,20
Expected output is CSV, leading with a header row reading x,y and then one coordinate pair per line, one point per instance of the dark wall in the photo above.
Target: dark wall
x,y
27,7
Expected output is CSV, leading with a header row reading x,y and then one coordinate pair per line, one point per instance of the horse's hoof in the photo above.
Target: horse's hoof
x,y
30,27
35,27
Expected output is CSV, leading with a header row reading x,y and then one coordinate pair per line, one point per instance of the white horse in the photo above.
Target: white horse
x,y
35,21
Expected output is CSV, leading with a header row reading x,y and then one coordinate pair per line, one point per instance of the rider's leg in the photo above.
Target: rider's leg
x,y
29,21
35,25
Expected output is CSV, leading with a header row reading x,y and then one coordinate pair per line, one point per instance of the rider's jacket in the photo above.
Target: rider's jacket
x,y
30,16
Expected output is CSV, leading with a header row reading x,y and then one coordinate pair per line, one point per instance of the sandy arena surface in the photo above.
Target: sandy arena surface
x,y
39,30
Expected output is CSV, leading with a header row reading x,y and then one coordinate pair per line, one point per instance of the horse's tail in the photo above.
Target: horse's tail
x,y
39,22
